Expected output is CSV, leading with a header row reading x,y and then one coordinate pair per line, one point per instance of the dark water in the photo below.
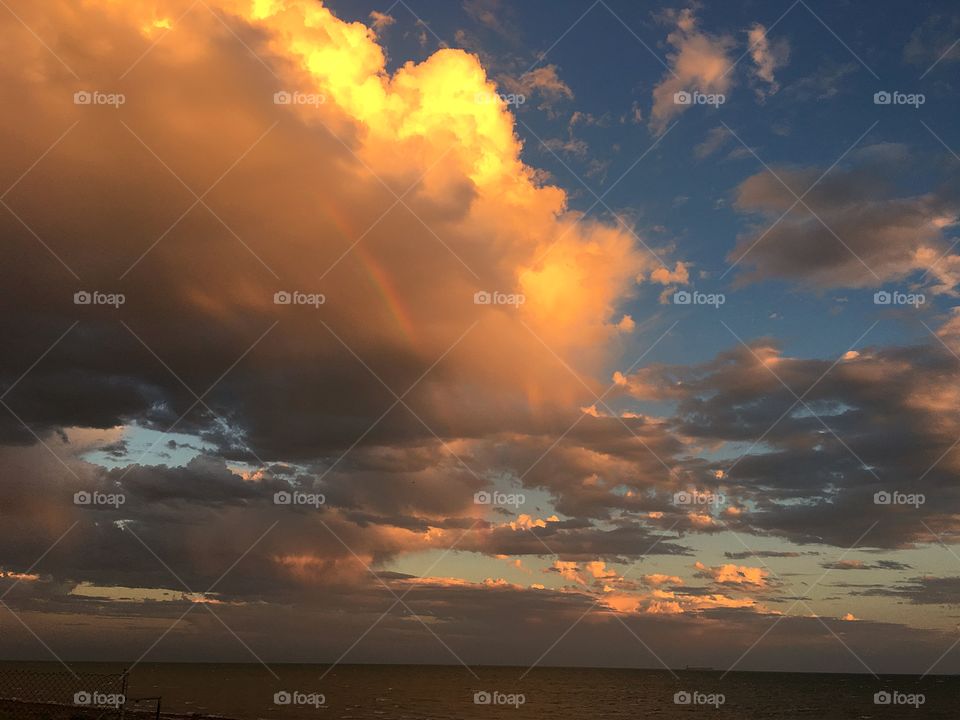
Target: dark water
x,y
246,692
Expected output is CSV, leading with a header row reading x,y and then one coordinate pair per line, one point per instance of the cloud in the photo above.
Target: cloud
x,y
626,324
491,14
924,590
766,554
858,232
825,83
886,410
767,57
480,622
544,82
934,39
949,331
699,62
716,138
402,276
381,21
679,275
861,565
729,574
306,398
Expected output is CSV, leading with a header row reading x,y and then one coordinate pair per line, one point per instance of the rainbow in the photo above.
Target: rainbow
x,y
381,282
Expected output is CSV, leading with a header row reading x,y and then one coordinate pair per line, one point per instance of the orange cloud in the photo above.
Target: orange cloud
x,y
657,579
399,277
733,574
700,62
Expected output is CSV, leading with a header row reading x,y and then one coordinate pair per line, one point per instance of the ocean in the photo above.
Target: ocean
x,y
398,692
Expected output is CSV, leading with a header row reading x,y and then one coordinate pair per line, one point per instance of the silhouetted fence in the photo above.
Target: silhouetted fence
x,y
32,695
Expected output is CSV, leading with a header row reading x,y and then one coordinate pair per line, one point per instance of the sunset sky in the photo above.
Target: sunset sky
x,y
393,260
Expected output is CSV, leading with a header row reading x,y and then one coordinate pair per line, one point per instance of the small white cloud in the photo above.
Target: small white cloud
x,y
767,57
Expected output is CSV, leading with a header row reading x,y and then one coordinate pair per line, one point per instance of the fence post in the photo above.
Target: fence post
x,y
123,691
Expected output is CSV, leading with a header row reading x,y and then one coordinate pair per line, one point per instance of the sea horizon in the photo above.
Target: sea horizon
x,y
248,691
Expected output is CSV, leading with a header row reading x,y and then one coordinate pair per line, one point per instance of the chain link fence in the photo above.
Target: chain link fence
x,y
30,695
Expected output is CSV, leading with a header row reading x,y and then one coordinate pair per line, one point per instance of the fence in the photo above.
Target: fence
x,y
30,695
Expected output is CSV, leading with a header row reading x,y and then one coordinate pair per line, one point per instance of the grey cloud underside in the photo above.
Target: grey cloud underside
x,y
857,227
481,625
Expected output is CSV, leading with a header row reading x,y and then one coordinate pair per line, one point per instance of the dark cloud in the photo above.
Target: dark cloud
x,y
766,554
861,565
863,230
879,420
924,590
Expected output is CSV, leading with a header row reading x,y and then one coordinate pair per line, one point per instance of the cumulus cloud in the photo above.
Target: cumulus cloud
x,y
729,574
700,61
475,219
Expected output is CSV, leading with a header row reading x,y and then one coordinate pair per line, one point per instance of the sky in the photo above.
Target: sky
x,y
484,332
